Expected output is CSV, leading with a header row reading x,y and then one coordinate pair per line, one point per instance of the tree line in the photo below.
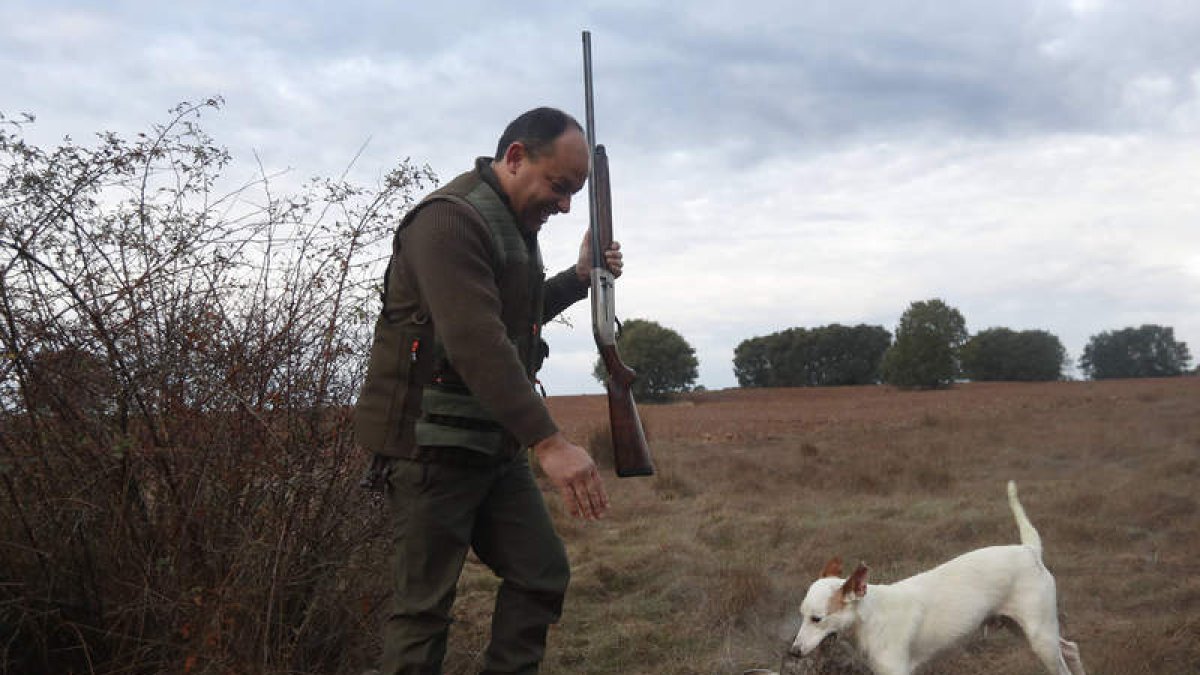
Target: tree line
x,y
825,356
931,348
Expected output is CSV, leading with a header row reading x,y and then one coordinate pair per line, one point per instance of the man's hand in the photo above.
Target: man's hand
x,y
573,473
612,258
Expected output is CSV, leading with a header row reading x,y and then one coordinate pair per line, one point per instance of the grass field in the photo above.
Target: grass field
x,y
700,568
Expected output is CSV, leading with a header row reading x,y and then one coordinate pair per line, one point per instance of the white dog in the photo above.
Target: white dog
x,y
900,626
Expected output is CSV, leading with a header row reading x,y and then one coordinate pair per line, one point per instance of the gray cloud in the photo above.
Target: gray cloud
x,y
775,163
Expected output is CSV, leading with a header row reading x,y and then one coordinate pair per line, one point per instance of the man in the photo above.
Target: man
x,y
449,397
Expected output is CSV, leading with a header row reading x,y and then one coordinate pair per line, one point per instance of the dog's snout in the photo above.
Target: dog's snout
x,y
798,649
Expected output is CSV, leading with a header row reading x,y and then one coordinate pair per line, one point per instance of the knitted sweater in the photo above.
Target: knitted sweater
x,y
445,270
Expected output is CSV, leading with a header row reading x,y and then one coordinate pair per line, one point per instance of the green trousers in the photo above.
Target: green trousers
x,y
440,510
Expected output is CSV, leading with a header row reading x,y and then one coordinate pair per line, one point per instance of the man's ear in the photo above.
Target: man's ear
x,y
856,586
833,568
514,156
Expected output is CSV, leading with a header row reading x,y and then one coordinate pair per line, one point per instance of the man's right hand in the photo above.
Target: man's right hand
x,y
573,473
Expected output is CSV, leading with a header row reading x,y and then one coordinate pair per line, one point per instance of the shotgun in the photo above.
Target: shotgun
x,y
631,455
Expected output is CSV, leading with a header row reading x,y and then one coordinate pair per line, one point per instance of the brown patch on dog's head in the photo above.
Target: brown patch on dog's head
x,y
833,568
856,585
854,589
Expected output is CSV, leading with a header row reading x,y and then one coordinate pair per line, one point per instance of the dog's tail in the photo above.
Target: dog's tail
x,y
1029,536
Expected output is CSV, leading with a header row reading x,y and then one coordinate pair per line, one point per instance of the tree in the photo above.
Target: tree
x,y
1148,351
830,355
1004,354
849,355
751,366
926,352
665,363
774,360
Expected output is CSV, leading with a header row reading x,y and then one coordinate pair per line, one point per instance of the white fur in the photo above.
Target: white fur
x,y
900,626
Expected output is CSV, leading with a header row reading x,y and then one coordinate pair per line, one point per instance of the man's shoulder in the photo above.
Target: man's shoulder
x,y
442,204
442,209
444,222
448,200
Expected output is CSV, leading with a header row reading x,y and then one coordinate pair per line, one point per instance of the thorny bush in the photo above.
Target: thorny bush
x,y
177,477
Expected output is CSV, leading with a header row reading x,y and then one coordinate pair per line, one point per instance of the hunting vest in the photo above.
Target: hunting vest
x,y
412,398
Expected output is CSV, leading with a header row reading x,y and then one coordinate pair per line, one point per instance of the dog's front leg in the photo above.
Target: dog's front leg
x,y
1070,654
891,663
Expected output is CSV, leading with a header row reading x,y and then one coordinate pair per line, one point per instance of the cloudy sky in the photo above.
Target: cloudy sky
x,y
1033,163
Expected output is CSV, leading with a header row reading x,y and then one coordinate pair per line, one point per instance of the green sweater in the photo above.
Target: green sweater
x,y
465,300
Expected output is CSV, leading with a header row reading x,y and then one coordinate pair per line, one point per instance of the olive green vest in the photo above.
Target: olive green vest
x,y
412,397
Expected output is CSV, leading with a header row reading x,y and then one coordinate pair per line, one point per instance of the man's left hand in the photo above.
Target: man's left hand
x,y
573,473
612,258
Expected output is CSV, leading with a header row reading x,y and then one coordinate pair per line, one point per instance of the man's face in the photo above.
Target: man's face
x,y
541,187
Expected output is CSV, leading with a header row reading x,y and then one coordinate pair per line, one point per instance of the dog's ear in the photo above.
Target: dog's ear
x,y
856,586
833,568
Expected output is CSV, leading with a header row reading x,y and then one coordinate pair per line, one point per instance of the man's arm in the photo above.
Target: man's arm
x,y
560,292
571,285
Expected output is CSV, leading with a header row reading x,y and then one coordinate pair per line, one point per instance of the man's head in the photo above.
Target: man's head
x,y
541,161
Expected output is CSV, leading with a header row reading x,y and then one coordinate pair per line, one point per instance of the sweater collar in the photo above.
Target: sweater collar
x,y
483,167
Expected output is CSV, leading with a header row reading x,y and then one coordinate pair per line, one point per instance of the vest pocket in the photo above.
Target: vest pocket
x,y
391,392
457,419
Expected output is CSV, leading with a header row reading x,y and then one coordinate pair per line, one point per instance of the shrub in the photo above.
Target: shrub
x,y
178,474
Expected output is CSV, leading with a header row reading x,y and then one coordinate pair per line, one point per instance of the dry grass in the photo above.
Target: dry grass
x,y
280,565
700,568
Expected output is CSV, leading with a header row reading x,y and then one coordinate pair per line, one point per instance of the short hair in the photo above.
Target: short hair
x,y
536,129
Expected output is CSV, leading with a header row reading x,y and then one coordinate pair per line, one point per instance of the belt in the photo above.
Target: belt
x,y
448,454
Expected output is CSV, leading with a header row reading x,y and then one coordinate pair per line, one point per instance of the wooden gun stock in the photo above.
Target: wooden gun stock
x,y
631,453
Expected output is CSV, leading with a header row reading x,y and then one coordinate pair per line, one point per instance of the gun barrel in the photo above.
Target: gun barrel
x,y
596,165
588,106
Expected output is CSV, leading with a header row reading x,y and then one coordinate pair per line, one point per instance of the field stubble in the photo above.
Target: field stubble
x,y
700,568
